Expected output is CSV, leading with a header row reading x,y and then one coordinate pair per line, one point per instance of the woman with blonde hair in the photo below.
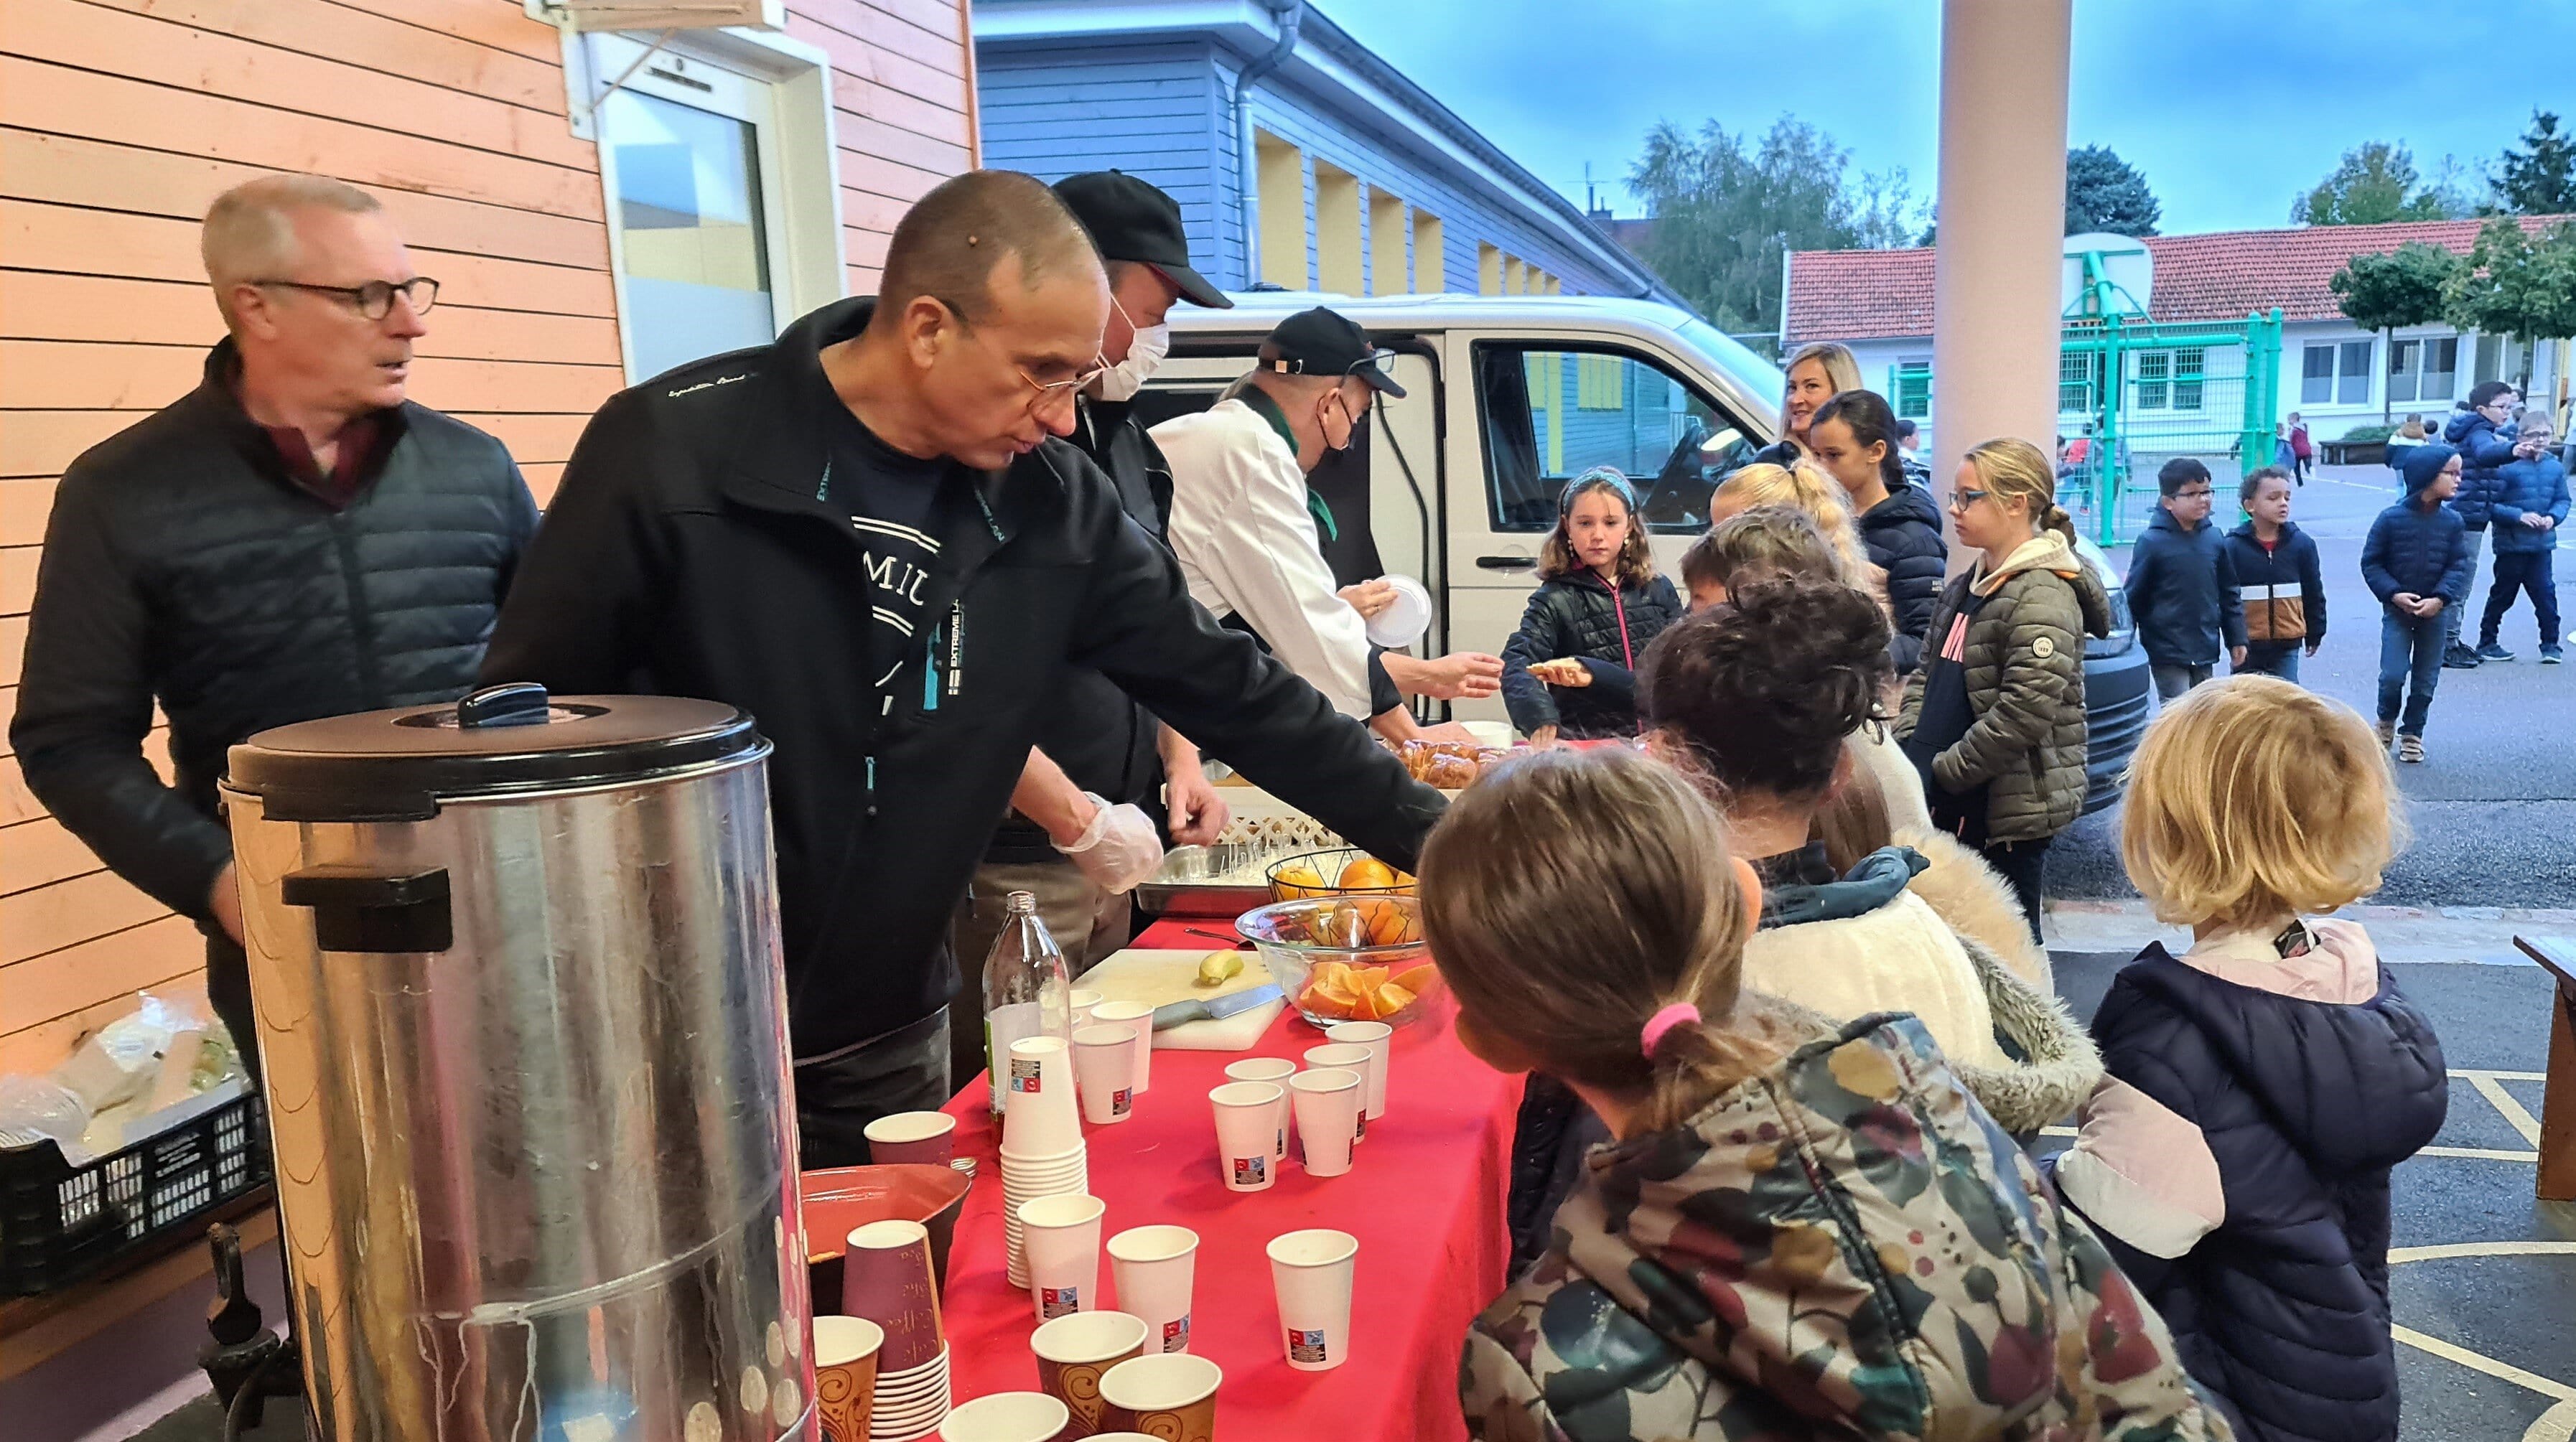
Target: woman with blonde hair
x,y
1816,374
1995,717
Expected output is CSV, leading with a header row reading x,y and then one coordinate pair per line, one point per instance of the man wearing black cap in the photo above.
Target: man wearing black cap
x,y
1245,523
1103,755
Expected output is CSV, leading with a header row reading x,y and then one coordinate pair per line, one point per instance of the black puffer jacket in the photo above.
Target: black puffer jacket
x,y
182,565
1577,615
1903,537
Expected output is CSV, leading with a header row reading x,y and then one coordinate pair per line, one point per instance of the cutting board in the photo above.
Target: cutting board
x,y
1158,978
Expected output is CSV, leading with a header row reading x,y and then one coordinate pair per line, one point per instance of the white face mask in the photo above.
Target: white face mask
x,y
1146,347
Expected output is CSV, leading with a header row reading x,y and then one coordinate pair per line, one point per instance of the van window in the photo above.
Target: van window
x,y
1550,415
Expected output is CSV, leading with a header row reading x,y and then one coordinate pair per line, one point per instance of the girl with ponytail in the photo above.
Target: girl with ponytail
x,y
1995,718
1778,1185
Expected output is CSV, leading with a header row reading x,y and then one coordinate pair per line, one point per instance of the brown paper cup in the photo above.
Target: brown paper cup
x,y
845,1375
885,1277
1073,1351
1171,1396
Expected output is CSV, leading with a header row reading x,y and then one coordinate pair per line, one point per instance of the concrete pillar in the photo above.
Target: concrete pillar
x,y
2002,218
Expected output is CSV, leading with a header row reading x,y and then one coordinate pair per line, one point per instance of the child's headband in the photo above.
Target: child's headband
x,y
1609,476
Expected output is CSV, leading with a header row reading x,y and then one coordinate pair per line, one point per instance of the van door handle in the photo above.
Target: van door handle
x,y
1506,563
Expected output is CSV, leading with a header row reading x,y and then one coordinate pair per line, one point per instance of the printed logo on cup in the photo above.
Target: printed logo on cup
x,y
1251,1171
1306,1346
1121,1100
1025,1072
1176,1334
1054,1302
1280,1147
1362,1133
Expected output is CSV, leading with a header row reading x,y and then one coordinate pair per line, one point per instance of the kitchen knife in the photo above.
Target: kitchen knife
x,y
1215,1009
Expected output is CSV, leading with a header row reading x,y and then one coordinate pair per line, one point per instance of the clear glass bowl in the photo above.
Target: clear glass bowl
x,y
1337,957
1328,867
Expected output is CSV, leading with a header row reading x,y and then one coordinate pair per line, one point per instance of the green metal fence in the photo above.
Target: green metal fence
x,y
2141,393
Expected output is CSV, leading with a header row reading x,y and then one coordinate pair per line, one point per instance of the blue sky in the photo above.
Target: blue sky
x,y
2230,107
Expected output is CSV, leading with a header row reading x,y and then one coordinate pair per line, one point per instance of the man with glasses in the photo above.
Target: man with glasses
x,y
292,539
870,536
2182,586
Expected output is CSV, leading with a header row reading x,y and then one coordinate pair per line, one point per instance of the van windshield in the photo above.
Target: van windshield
x,y
1762,381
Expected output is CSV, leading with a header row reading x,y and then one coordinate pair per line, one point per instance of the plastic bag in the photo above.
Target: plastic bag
x,y
35,1108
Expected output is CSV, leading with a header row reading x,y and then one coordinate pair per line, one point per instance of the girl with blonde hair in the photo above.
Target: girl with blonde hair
x,y
1571,667
1804,486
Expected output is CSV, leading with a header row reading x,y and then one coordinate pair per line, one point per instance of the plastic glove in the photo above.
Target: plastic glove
x,y
1118,849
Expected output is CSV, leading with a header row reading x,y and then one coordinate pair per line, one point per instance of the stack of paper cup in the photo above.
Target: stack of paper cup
x,y
1104,1071
1379,1038
1042,1149
1353,1059
1156,1268
1062,1237
1276,1071
911,1404
845,1374
886,1279
922,1138
1246,1130
1139,1016
1327,1100
1312,1274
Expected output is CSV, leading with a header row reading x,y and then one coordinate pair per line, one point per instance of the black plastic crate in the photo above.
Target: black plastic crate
x,y
60,1223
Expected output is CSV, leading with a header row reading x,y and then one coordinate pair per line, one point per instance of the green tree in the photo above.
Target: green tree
x,y
2402,287
2375,183
2106,193
1726,206
2540,178
2516,283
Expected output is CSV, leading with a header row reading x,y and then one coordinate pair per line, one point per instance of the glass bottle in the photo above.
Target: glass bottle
x,y
1027,991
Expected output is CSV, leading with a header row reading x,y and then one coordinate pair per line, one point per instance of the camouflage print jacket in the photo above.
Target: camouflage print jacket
x,y
1845,1246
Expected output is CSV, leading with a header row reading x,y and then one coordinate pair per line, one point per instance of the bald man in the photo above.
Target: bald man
x,y
871,536
292,539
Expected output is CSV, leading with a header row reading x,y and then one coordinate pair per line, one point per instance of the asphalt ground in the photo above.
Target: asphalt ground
x,y
2493,809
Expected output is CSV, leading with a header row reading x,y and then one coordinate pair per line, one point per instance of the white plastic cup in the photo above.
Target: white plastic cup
x,y
1083,1000
1155,1269
1245,1134
1141,1017
1275,1070
1379,1038
1006,1417
1328,1111
1039,1114
1104,1069
924,1138
1311,1272
1062,1238
1347,1057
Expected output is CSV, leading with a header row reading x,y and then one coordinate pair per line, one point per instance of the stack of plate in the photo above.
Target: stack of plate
x,y
911,1404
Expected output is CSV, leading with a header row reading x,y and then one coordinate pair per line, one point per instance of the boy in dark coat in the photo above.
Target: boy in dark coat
x,y
2417,562
2530,504
2479,434
2277,576
2182,584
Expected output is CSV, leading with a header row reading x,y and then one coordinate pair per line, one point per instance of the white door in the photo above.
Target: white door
x,y
1526,416
689,154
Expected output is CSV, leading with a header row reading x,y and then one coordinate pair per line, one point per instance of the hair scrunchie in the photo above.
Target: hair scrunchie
x,y
1662,1022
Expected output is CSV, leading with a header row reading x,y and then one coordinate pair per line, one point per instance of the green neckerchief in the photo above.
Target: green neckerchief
x,y
1262,405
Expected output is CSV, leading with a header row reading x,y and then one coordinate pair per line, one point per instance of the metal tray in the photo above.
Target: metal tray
x,y
1185,884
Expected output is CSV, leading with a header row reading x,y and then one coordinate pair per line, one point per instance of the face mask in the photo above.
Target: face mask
x,y
1146,347
1333,401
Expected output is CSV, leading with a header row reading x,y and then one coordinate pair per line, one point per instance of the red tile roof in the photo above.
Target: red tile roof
x,y
1866,294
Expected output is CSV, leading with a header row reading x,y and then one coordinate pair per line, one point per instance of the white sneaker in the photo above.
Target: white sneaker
x,y
2410,748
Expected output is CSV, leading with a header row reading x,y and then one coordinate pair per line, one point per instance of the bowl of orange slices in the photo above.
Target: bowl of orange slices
x,y
1346,958
1342,871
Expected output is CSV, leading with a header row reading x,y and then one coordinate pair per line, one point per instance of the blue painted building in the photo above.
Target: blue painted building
x,y
1299,158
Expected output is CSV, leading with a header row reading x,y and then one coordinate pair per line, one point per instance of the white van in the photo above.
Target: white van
x,y
1509,396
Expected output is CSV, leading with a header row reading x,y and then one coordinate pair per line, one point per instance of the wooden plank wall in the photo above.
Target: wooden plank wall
x,y
120,120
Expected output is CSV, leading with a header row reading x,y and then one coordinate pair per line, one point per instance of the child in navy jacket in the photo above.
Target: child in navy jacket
x,y
2417,561
2530,504
2278,578
2261,1086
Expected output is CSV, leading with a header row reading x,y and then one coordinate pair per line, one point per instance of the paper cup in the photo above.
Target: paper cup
x,y
885,1278
1379,1038
1141,1017
927,1138
1062,1238
1039,1114
1170,1395
1083,1001
1405,620
1246,1131
1007,1417
1073,1351
1353,1059
1104,1069
845,1375
1328,1111
1312,1273
1275,1070
1155,1269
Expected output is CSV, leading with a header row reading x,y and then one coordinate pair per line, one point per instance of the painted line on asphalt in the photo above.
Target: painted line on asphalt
x,y
2559,1422
2503,1101
2452,1251
2482,1154
2480,1362
2472,1071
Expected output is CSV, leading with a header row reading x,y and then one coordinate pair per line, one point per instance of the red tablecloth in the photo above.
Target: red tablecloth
x,y
1424,1196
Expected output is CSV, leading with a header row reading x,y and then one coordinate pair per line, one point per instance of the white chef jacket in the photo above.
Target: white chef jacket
x,y
1248,547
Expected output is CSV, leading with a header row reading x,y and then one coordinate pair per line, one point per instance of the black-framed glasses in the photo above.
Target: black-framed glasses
x,y
374,299
1966,496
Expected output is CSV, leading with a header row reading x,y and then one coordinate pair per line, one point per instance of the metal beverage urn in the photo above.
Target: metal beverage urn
x,y
516,968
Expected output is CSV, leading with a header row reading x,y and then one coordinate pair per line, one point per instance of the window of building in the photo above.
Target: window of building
x,y
1280,176
1489,270
1541,429
2502,358
1387,239
2335,373
2169,380
1338,258
1913,388
2423,369
1430,256
2079,375
1515,275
